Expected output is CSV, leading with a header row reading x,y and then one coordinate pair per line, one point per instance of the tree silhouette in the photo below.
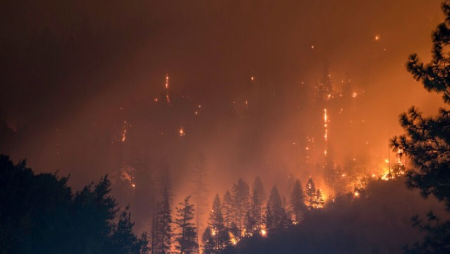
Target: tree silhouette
x,y
216,224
40,214
187,236
258,197
297,201
241,203
427,139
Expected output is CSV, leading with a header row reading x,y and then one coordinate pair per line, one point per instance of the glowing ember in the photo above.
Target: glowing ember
x,y
377,37
182,133
167,88
356,194
263,232
354,94
124,133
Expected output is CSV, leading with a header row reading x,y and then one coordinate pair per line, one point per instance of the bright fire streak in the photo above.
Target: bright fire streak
x,y
167,88
124,133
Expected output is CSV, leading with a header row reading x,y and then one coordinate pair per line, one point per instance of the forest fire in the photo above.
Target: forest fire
x,y
252,144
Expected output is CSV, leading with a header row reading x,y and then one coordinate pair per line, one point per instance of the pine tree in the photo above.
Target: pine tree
x,y
241,203
217,226
187,236
310,194
123,240
276,214
298,206
427,139
200,189
208,241
227,209
258,197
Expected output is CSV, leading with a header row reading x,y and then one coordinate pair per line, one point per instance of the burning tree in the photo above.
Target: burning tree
x,y
227,209
241,203
427,139
258,197
219,234
310,194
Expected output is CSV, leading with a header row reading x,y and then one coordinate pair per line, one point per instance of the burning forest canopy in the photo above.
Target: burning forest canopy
x,y
200,98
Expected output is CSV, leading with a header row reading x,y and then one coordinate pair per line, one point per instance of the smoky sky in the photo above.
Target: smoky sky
x,y
74,74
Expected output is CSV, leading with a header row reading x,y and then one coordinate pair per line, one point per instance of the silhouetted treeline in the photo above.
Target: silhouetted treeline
x,y
39,213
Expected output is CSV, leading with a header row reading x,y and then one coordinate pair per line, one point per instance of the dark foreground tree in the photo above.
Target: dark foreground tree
x,y
40,214
427,139
123,240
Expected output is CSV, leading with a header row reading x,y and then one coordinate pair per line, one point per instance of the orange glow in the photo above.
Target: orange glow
x,y
167,88
124,133
181,132
263,232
